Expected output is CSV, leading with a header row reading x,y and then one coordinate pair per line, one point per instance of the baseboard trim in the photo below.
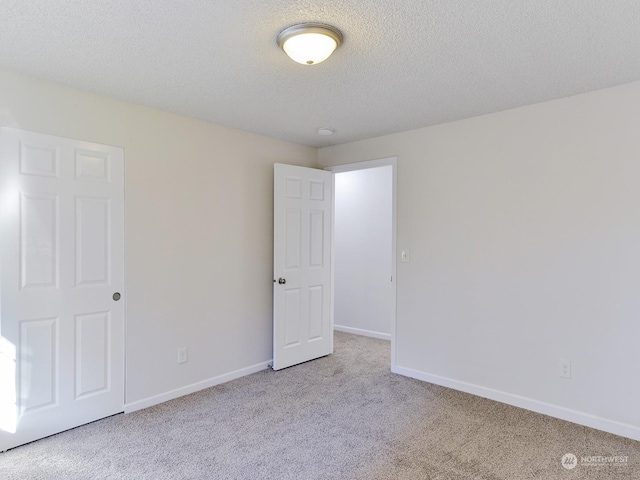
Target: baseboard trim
x,y
194,387
574,416
365,333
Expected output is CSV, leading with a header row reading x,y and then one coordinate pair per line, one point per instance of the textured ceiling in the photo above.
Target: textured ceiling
x,y
404,64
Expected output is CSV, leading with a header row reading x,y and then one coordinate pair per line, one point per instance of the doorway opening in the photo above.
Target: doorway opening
x,y
364,249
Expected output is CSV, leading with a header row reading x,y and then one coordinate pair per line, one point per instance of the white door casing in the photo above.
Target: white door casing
x,y
303,202
393,162
61,261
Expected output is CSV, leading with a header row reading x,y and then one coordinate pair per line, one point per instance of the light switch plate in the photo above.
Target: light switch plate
x,y
404,256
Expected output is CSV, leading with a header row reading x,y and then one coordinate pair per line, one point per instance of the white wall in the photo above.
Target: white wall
x,y
363,232
524,231
199,229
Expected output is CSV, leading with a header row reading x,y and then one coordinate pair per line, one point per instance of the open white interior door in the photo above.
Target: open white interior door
x,y
61,278
302,290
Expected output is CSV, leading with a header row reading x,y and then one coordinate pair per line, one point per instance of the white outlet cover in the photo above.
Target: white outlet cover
x,y
565,368
182,355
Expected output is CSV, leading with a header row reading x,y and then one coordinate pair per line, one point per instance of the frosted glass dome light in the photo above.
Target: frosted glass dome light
x,y
309,43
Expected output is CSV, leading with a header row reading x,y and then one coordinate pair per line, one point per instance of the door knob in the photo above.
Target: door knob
x,y
116,296
282,281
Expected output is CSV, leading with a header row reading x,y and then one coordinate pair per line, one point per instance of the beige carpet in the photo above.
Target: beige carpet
x,y
340,417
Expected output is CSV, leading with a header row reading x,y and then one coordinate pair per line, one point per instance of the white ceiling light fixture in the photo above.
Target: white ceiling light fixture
x,y
309,43
325,131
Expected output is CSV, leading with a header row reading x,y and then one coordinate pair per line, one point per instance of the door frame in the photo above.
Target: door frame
x,y
350,167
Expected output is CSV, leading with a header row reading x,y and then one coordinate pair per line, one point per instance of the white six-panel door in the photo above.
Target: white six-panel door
x,y
61,262
302,292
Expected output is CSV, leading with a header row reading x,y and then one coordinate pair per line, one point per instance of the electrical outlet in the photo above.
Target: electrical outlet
x,y
565,368
182,355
